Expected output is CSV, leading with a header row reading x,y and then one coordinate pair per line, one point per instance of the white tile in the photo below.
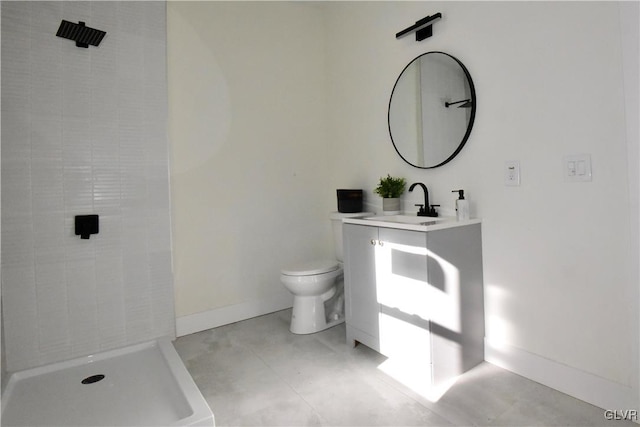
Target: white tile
x,y
16,88
20,316
154,22
46,137
76,141
159,230
48,229
76,94
53,331
77,11
47,177
16,186
16,68
104,16
16,134
50,273
76,130
46,16
81,284
111,324
154,57
56,352
46,62
134,230
17,240
82,304
78,189
105,148
75,248
161,282
130,16
110,243
16,13
106,186
110,297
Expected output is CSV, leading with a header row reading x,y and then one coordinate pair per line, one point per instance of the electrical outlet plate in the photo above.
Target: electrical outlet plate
x,y
512,173
577,167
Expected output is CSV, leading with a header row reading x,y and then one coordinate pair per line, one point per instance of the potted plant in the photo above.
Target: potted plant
x,y
390,189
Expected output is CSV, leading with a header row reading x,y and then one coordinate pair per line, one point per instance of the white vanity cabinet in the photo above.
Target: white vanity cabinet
x,y
417,295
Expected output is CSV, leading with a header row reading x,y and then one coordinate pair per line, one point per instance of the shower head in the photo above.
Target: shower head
x,y
81,34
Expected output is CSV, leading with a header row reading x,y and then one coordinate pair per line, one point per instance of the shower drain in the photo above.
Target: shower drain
x,y
93,379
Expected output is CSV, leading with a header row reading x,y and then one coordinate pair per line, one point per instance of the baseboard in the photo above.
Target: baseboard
x,y
580,384
192,323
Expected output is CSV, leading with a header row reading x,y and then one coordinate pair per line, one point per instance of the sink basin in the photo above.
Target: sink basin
x,y
407,219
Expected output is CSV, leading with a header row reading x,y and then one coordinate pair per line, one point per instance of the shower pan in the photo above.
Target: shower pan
x,y
140,385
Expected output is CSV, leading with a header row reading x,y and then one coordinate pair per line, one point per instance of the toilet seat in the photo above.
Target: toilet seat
x,y
311,268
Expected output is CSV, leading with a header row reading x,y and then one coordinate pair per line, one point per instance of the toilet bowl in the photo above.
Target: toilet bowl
x,y
318,286
313,284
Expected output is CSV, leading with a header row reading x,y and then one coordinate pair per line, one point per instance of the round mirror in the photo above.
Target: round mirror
x,y
431,111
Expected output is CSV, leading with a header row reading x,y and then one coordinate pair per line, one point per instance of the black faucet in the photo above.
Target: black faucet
x,y
424,209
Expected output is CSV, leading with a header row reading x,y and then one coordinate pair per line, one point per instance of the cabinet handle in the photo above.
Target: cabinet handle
x,y
380,242
373,242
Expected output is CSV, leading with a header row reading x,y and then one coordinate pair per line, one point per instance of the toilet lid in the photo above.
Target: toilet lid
x,y
310,268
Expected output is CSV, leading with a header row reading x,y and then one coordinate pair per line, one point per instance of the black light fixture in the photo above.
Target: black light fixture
x,y
423,28
466,103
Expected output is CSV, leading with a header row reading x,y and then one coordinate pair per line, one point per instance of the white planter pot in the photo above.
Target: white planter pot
x,y
391,206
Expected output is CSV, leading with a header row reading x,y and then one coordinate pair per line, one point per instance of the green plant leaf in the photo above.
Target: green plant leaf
x,y
389,187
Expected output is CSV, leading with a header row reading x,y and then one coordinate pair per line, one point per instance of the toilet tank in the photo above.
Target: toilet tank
x,y
336,225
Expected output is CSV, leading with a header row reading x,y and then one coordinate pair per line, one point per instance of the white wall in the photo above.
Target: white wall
x,y
560,258
249,162
274,105
630,29
84,132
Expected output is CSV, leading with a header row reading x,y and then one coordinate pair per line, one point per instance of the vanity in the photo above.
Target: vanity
x,y
414,292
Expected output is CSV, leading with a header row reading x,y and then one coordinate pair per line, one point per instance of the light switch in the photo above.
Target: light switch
x,y
512,173
577,167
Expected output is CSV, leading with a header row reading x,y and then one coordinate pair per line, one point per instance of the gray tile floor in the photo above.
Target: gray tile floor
x,y
256,372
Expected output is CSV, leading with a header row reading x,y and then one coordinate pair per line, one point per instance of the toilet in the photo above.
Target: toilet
x,y
318,286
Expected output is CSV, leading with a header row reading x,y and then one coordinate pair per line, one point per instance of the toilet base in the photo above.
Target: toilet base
x,y
308,316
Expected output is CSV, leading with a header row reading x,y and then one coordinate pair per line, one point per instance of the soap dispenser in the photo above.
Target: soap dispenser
x,y
462,206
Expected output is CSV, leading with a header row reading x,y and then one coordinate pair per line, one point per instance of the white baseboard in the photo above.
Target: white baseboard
x,y
580,384
192,323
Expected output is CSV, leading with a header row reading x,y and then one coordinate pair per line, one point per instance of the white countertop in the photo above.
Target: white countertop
x,y
411,222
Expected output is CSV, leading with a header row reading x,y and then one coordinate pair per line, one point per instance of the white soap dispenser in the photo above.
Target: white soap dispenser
x,y
462,206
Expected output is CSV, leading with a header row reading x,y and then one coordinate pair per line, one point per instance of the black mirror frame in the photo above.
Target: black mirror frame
x,y
471,119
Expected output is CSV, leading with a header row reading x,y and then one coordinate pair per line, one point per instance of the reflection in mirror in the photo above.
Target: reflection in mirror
x,y
431,110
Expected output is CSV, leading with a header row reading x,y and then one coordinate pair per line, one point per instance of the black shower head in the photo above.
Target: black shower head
x,y
81,34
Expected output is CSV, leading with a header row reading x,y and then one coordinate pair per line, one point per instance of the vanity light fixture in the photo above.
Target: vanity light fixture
x,y
423,28
467,103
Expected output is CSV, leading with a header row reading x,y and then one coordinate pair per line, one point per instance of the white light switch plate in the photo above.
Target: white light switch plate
x,y
577,167
512,173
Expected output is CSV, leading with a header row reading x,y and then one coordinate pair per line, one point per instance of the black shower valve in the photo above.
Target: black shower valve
x,y
86,225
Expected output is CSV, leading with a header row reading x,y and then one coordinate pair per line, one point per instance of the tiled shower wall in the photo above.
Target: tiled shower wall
x,y
84,132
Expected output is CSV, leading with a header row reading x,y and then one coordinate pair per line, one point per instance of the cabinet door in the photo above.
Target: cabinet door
x,y
404,296
360,281
401,271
